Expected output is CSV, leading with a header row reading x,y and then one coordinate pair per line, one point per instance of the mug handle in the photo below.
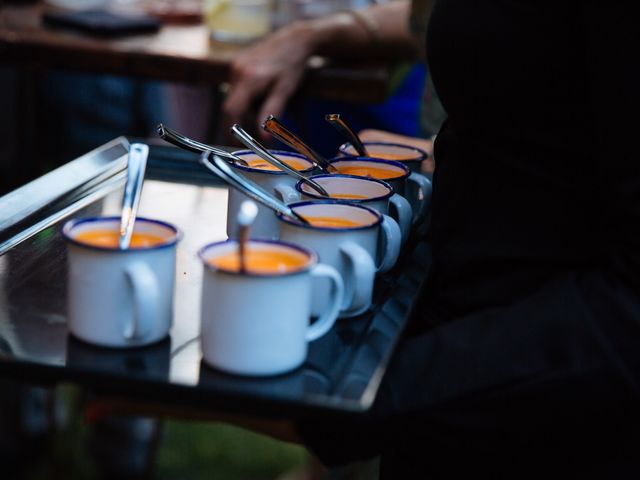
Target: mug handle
x,y
363,273
403,214
145,291
391,242
287,193
421,184
323,324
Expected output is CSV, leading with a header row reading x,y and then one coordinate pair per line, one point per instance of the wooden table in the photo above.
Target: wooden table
x,y
179,53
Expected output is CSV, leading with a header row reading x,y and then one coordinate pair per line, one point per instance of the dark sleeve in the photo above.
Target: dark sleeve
x,y
561,365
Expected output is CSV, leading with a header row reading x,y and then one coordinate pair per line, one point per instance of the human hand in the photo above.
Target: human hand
x,y
269,72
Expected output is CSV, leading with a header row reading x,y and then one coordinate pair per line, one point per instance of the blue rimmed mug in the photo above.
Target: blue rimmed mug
x,y
120,298
274,181
413,186
369,192
408,155
368,243
256,321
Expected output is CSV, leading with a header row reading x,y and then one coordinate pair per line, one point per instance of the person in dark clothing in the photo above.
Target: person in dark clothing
x,y
522,356
524,348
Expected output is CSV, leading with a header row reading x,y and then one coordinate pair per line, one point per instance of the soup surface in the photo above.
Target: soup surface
x,y
261,261
369,172
109,239
332,222
261,164
399,157
348,196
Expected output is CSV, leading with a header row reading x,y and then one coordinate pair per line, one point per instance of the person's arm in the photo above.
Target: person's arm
x,y
271,70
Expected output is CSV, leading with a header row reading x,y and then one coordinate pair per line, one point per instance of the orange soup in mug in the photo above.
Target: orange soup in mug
x,y
387,151
369,172
261,164
332,222
387,170
263,261
348,196
293,160
110,239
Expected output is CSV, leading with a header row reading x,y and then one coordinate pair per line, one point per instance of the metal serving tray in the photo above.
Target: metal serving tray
x,y
343,369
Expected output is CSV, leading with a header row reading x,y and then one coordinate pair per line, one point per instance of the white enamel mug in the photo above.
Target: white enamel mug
x,y
369,192
257,323
120,298
356,252
415,187
275,181
408,155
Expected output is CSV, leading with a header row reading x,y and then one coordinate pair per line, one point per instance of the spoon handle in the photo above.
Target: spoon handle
x,y
137,162
282,133
243,239
340,125
257,148
247,186
182,141
246,216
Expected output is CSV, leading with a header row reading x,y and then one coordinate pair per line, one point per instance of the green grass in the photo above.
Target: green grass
x,y
197,451
187,451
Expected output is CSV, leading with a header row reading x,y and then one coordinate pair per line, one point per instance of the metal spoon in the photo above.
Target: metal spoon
x,y
258,149
278,130
340,125
246,186
191,145
137,162
246,217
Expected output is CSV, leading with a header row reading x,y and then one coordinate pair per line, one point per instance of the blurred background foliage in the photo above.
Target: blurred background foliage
x,y
186,450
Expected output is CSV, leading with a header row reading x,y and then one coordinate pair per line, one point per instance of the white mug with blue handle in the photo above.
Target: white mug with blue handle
x,y
369,192
414,186
370,243
120,298
274,181
257,321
